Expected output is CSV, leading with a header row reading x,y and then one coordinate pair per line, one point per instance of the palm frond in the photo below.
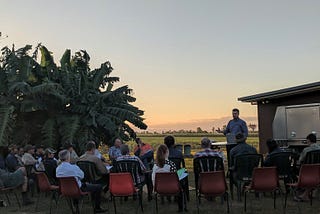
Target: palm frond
x,y
6,125
49,132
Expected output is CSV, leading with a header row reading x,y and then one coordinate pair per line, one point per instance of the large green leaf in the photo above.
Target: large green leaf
x,y
6,124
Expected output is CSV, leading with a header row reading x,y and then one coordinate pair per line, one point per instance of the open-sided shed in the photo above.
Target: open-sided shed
x,y
268,102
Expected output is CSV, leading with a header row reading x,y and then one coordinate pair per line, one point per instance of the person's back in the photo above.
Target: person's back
x,y
207,151
173,152
241,149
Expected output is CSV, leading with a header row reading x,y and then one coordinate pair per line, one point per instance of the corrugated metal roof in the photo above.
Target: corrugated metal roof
x,y
310,87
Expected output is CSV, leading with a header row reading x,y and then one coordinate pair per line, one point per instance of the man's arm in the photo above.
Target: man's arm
x,y
227,130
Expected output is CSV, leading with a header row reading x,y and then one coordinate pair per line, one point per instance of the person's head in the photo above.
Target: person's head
x,y
235,113
69,146
311,138
124,148
117,142
40,149
20,150
205,143
13,149
162,155
272,145
4,151
91,147
240,138
49,152
169,141
64,155
29,149
139,141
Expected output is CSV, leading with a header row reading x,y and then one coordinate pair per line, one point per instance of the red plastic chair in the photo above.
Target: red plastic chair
x,y
121,185
167,184
309,178
212,184
263,180
45,186
70,190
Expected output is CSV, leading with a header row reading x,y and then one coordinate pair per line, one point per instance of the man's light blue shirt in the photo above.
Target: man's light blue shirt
x,y
235,126
66,169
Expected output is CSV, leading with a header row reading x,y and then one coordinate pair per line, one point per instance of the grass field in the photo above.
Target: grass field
x,y
192,139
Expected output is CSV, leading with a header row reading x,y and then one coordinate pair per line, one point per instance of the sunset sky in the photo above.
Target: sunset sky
x,y
185,60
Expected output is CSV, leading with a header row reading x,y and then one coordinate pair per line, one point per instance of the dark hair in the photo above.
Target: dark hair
x,y
272,145
161,155
235,109
169,141
312,137
205,142
90,145
138,140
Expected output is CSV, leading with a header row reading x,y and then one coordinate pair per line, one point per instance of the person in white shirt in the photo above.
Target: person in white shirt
x,y
66,169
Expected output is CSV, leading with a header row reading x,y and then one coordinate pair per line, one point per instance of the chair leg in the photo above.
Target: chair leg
x,y
227,197
8,199
156,197
274,199
114,204
245,201
197,199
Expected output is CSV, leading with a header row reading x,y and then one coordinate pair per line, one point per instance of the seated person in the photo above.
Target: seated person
x,y
73,155
126,156
207,151
313,145
50,164
12,161
27,157
273,148
114,150
144,151
65,169
241,148
103,174
163,164
173,152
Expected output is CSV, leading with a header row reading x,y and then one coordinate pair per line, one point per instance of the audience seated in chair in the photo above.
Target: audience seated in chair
x,y
103,176
65,169
163,164
73,155
114,151
12,161
144,151
207,151
313,145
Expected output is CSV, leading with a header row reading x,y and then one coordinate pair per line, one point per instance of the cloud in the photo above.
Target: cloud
x,y
204,124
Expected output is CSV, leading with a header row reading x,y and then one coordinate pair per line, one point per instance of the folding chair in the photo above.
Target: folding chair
x,y
167,184
45,187
121,185
309,178
212,184
263,180
242,171
70,190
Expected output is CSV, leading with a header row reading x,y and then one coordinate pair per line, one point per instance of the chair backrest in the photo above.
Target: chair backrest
x,y
187,150
69,187
265,179
212,183
312,157
309,176
167,183
121,184
206,164
131,166
90,171
43,182
245,163
179,162
283,161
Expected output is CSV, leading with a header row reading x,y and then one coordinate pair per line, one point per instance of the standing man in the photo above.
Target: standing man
x,y
235,126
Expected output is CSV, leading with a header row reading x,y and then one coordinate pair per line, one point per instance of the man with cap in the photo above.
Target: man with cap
x,y
241,148
50,164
